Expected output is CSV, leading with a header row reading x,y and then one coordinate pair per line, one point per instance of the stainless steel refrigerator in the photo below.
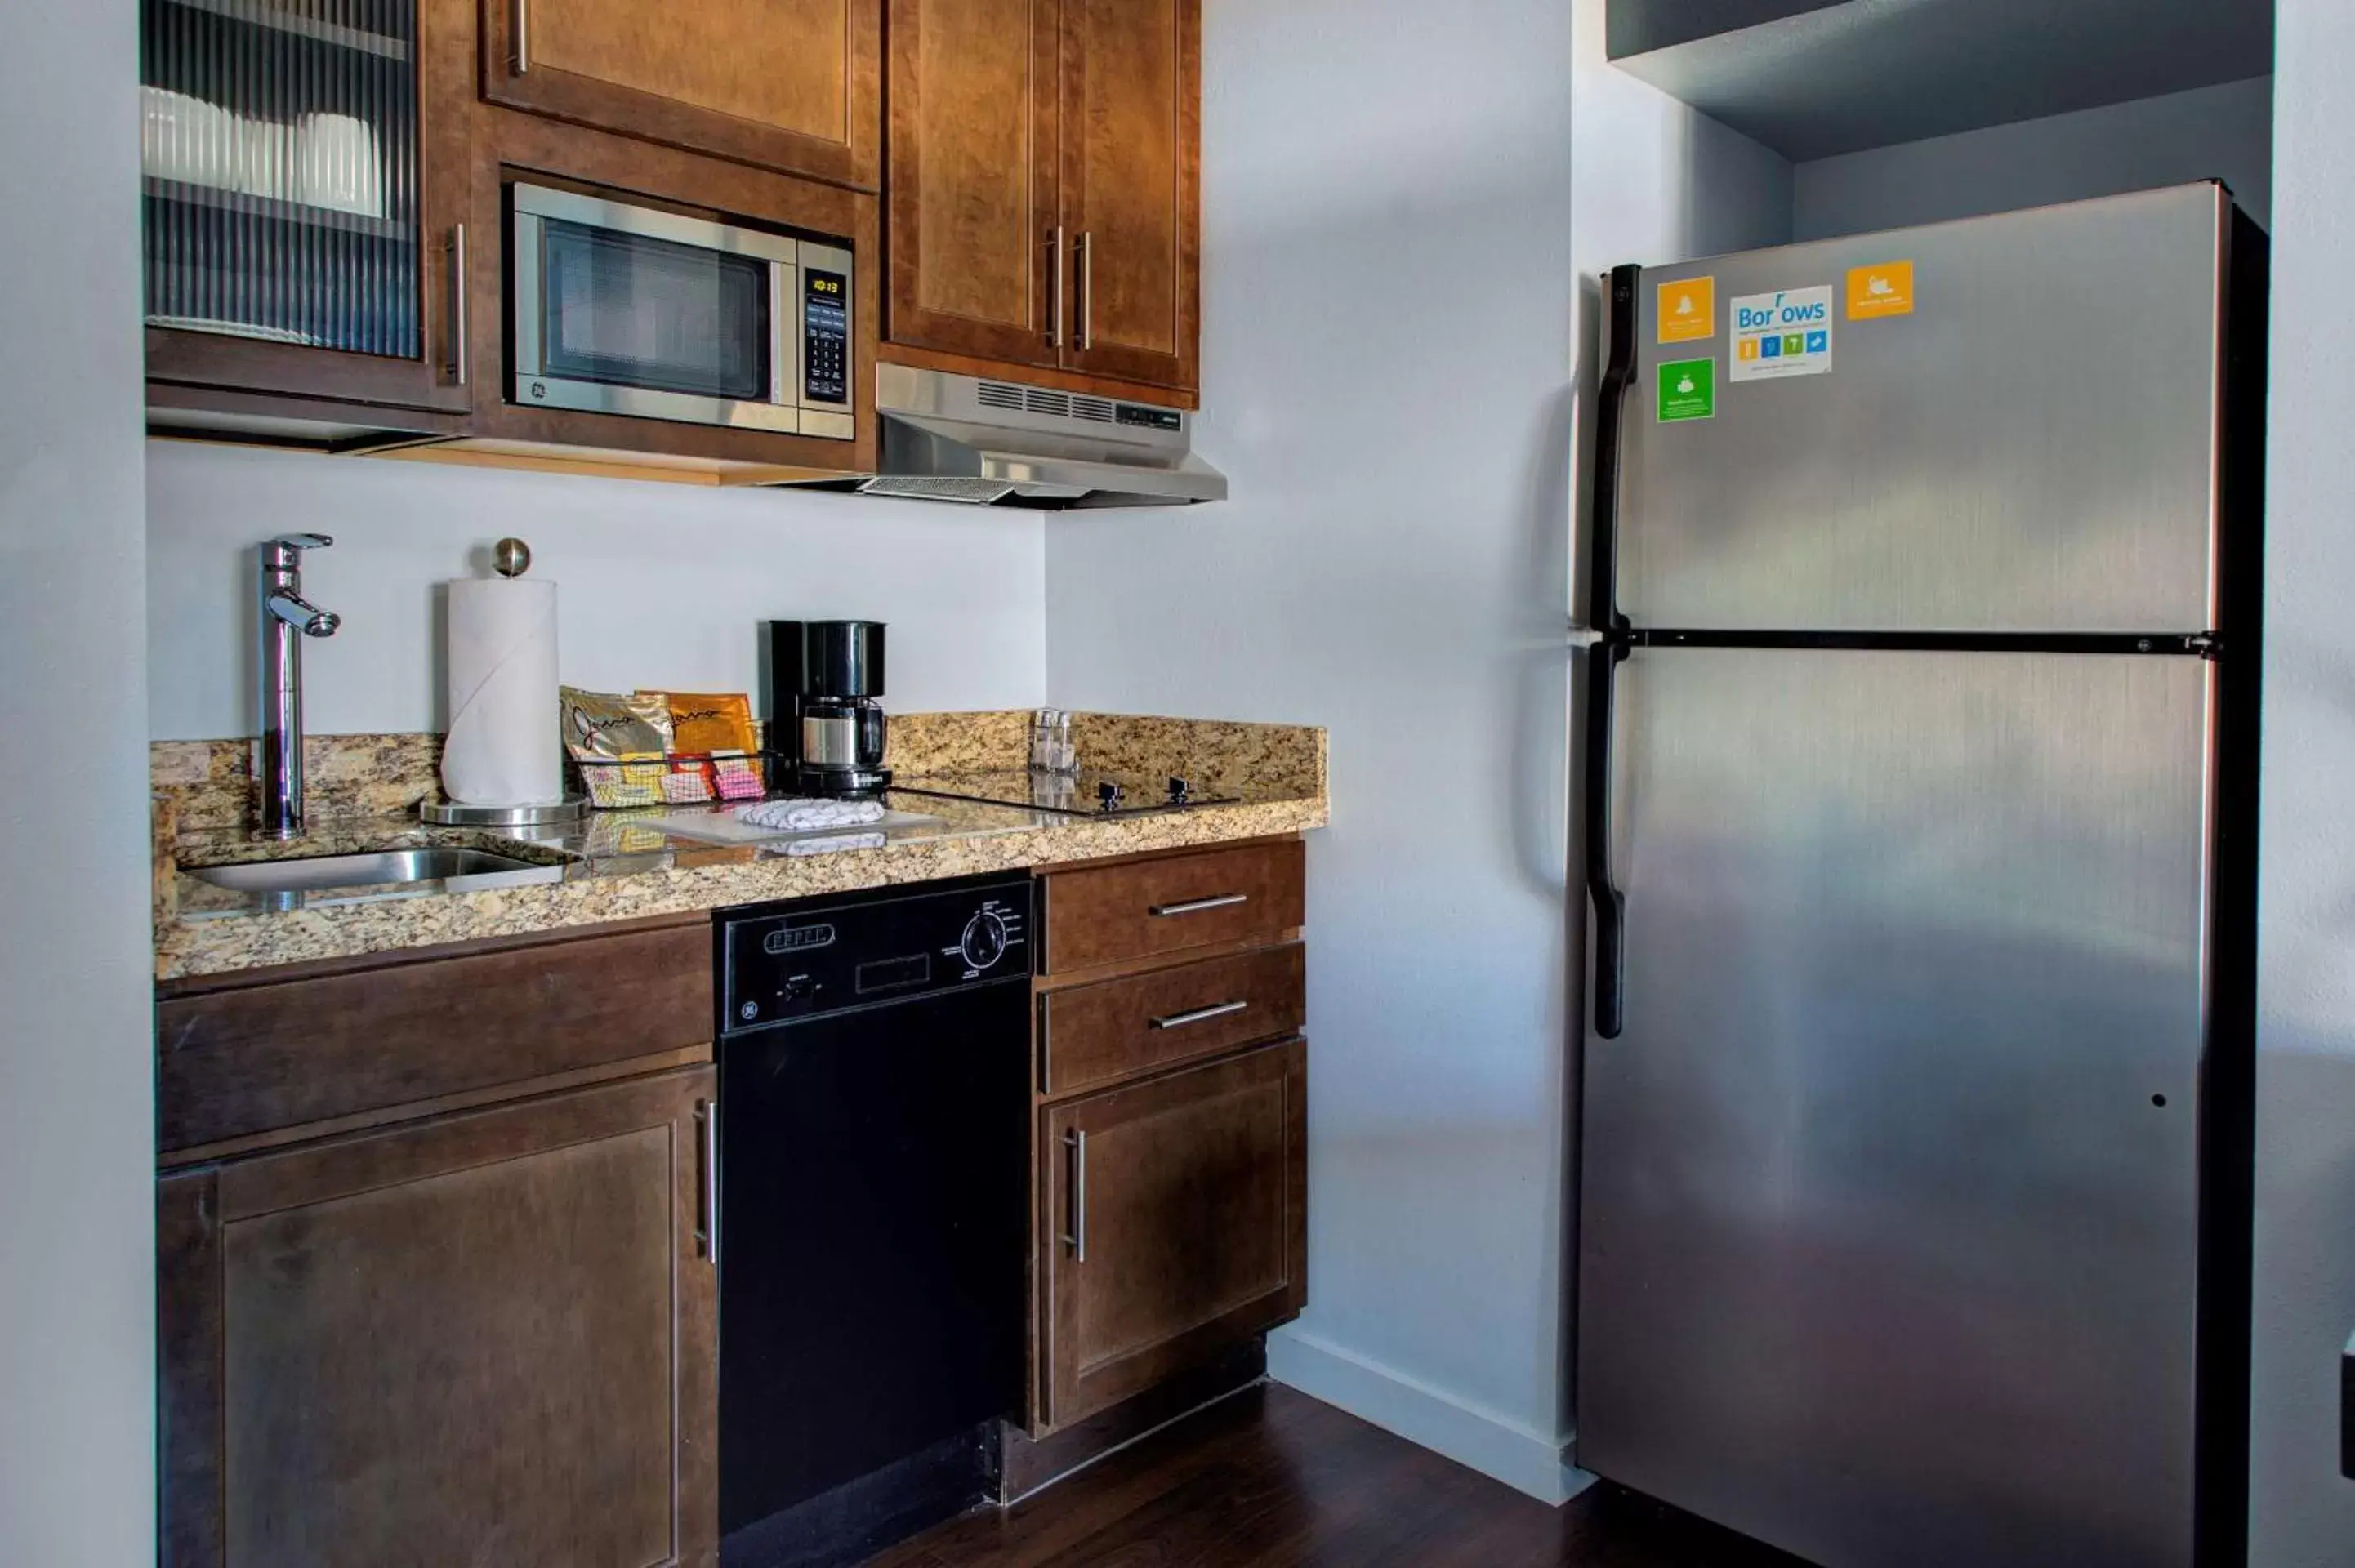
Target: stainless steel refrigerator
x,y
1920,814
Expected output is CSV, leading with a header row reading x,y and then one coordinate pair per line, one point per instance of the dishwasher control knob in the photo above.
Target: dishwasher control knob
x,y
984,940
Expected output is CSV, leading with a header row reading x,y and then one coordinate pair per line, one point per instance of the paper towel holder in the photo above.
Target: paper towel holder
x,y
510,558
569,812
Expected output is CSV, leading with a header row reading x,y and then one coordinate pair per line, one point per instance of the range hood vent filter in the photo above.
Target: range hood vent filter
x,y
913,487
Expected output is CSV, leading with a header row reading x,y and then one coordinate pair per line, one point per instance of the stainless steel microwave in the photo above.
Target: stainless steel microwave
x,y
620,309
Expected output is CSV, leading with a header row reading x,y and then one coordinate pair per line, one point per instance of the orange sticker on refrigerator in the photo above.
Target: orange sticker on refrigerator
x,y
1886,290
1688,310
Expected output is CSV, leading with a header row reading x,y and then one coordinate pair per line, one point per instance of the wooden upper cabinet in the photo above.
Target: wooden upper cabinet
x,y
487,1337
973,178
1132,186
1045,187
790,85
302,189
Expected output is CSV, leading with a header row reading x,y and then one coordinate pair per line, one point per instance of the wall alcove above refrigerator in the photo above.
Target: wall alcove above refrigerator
x,y
1813,79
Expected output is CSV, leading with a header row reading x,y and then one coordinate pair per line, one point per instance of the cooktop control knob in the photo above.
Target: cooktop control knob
x,y
984,939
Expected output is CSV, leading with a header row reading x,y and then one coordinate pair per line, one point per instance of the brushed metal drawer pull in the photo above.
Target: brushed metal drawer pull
x,y
519,56
458,303
707,1222
1076,1238
1200,1014
1195,906
1055,294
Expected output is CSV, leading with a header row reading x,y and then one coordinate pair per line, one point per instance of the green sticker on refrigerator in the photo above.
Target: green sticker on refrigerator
x,y
1687,390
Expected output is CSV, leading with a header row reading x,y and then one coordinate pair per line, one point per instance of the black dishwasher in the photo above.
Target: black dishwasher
x,y
874,1105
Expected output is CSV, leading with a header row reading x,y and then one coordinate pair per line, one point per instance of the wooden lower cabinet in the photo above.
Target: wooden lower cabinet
x,y
481,1338
1176,1224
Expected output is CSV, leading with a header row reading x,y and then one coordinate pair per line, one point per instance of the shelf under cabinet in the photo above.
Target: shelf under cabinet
x,y
274,209
282,19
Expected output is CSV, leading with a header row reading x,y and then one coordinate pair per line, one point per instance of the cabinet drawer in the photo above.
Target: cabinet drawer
x,y
1251,893
1094,1035
256,1058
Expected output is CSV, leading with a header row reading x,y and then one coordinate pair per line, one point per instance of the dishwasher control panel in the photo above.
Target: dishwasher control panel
x,y
780,963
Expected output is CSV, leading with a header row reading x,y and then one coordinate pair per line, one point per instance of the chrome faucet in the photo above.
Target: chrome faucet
x,y
284,614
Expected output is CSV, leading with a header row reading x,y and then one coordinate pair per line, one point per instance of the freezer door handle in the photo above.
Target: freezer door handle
x,y
1610,419
1613,641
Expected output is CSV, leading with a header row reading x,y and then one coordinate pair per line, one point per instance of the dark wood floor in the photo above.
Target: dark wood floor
x,y
1271,1478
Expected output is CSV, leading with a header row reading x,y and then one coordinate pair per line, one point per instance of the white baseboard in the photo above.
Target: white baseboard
x,y
1522,1458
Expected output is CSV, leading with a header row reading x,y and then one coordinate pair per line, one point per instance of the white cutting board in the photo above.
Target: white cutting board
x,y
724,828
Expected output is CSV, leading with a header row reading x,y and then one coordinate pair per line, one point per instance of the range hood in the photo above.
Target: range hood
x,y
1005,443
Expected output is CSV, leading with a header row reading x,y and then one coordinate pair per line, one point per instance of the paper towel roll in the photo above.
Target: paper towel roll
x,y
504,748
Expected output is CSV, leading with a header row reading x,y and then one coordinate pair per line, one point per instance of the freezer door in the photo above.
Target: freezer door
x,y
2020,437
1890,1187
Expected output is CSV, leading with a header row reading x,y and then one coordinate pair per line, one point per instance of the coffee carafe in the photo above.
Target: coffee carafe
x,y
843,728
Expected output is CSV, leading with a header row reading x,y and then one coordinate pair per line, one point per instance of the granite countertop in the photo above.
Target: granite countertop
x,y
627,866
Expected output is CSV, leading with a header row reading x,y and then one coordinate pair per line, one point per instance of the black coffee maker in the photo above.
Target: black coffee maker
x,y
819,683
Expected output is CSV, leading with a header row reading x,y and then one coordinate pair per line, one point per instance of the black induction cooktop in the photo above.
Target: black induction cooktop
x,y
1083,794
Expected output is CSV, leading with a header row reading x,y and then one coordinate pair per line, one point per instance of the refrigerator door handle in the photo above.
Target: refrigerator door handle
x,y
2347,1410
1610,903
1613,639
1609,419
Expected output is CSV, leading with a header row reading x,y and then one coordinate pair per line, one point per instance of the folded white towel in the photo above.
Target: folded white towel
x,y
830,843
804,816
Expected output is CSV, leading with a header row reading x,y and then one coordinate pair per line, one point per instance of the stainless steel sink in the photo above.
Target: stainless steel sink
x,y
386,869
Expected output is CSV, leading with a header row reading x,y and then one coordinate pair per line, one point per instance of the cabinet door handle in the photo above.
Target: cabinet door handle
x,y
1087,290
1195,906
520,34
1076,1238
458,303
1055,292
1199,1014
707,1188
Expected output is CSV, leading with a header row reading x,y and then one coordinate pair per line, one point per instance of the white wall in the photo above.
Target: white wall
x,y
2212,132
660,585
2305,1513
1389,342
76,1133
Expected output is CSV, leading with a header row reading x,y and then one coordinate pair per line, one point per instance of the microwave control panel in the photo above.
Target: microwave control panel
x,y
825,336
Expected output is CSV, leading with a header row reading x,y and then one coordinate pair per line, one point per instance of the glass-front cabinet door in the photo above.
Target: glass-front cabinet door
x,y
303,234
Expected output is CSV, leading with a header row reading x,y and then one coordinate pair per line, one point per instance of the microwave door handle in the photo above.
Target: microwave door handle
x,y
1603,659
784,369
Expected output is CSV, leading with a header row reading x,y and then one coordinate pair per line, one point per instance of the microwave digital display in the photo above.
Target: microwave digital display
x,y
825,327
